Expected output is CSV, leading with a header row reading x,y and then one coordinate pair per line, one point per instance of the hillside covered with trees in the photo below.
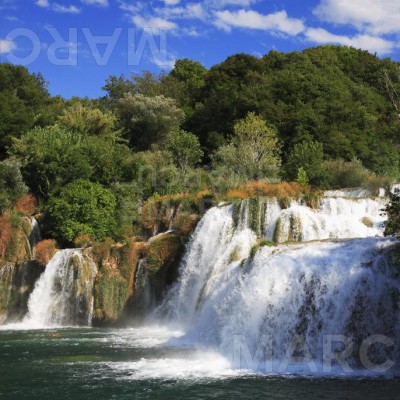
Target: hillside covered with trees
x,y
326,117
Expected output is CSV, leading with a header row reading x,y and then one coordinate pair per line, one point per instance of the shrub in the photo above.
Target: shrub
x,y
6,230
308,156
12,186
185,224
83,240
161,251
27,205
45,251
82,207
281,190
345,174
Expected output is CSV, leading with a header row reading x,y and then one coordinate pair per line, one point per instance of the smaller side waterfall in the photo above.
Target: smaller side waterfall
x,y
35,237
64,293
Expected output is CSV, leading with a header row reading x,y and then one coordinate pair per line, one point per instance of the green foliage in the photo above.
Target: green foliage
x,y
82,207
128,207
162,251
253,152
185,149
302,177
345,174
393,213
309,156
147,120
12,185
24,103
260,245
331,94
52,157
88,121
188,77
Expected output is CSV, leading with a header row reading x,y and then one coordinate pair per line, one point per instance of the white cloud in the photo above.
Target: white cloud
x,y
154,23
172,2
227,3
361,41
43,3
66,9
167,62
191,11
102,3
279,21
6,46
372,16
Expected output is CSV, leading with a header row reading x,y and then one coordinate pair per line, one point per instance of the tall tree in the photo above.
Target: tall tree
x,y
254,149
147,120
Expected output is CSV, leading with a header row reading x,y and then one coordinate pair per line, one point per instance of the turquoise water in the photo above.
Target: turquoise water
x,y
137,364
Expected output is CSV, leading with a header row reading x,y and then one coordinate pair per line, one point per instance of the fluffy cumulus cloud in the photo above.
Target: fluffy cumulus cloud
x,y
376,24
373,16
373,24
153,23
181,17
249,19
6,46
364,41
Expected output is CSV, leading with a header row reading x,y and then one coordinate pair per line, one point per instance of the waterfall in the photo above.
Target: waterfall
x,y
310,290
335,218
64,293
35,237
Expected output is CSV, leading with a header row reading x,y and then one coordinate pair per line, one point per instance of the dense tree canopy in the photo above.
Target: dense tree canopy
x,y
24,103
326,116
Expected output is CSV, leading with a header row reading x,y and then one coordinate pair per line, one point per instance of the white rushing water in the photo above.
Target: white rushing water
x,y
63,295
227,298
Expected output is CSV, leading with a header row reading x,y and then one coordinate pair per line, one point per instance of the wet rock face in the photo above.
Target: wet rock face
x,y
18,272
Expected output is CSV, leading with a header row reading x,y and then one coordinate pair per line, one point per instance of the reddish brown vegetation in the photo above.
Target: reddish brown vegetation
x,y
279,190
45,251
6,229
27,205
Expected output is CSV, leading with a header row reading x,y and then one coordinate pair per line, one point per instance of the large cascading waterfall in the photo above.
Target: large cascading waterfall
x,y
63,296
299,290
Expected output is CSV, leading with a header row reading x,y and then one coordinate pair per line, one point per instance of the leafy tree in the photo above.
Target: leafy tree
x,y
155,172
189,77
302,177
24,103
52,157
185,149
146,84
147,120
254,149
309,156
88,121
12,186
82,207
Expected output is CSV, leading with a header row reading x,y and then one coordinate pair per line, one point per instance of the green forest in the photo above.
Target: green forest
x,y
323,118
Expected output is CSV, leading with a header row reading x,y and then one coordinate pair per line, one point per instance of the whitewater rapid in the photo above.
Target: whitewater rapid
x,y
346,286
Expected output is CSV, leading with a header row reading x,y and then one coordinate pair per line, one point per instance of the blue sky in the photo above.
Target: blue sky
x,y
67,40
